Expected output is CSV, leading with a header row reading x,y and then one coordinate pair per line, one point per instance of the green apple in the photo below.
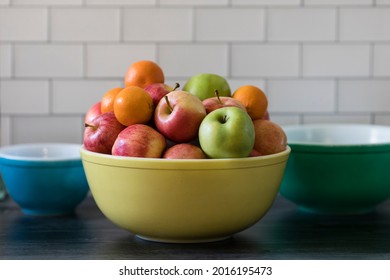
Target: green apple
x,y
204,86
227,133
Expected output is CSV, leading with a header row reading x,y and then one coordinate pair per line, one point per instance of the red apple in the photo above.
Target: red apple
x,y
158,90
269,137
93,112
178,116
101,133
217,102
254,153
139,140
184,151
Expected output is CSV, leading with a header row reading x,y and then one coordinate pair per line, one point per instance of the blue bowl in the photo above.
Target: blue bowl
x,y
44,178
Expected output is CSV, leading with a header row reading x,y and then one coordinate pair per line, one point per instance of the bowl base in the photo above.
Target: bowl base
x,y
167,240
338,211
33,212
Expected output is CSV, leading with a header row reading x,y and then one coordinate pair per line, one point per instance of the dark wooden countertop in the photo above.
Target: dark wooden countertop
x,y
284,233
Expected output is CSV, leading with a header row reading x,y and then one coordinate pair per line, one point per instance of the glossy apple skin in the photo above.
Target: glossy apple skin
x,y
157,91
184,151
270,138
180,124
93,112
213,103
254,153
227,133
204,85
101,133
139,140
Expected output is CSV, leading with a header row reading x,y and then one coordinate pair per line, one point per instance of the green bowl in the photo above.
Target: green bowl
x,y
337,168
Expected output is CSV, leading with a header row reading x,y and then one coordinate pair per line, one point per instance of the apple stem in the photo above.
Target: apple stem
x,y
89,125
216,93
177,85
169,104
225,119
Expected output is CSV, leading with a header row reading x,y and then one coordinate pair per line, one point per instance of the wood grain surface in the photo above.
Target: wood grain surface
x,y
284,233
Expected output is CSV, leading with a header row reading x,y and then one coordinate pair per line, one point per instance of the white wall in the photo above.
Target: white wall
x,y
317,60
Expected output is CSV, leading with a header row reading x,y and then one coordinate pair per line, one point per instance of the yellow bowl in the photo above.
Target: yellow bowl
x,y
184,200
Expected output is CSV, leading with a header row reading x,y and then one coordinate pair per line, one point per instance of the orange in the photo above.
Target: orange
x,y
143,73
107,102
133,105
254,100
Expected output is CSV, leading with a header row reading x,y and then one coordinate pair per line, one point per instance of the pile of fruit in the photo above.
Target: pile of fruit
x,y
148,118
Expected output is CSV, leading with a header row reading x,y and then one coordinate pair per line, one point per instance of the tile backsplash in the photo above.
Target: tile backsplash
x,y
317,60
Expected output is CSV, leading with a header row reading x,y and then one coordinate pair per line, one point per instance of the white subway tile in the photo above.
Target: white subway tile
x,y
337,118
301,96
236,83
266,2
47,129
23,24
107,60
172,82
285,119
383,2
194,2
24,97
336,60
339,2
44,60
5,61
184,60
121,2
270,60
382,119
85,24
364,24
157,24
382,60
304,24
5,131
364,96
47,2
229,24
77,96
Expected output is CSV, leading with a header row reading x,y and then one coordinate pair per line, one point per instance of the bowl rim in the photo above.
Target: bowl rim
x,y
183,164
359,147
5,150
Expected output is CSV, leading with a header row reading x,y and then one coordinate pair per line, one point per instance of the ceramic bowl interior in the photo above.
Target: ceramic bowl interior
x,y
332,135
338,168
41,152
44,178
184,200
